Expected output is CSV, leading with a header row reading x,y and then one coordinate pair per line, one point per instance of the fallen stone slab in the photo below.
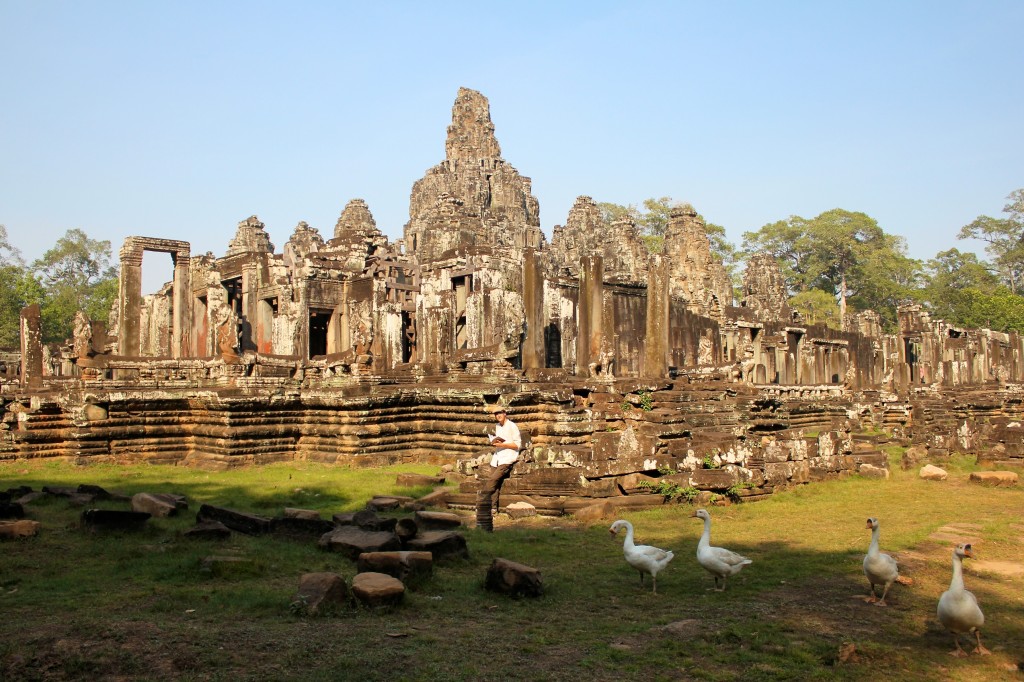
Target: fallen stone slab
x,y
377,589
429,520
514,579
412,480
344,519
411,568
229,566
367,519
22,528
320,592
16,492
208,530
521,510
99,493
997,479
301,528
930,472
441,543
352,541
11,510
293,513
29,498
598,511
113,519
59,491
912,456
384,503
872,471
243,522
151,504
438,498
406,529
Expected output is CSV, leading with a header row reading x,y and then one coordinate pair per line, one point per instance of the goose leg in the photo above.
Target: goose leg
x,y
958,652
872,598
885,591
654,579
641,578
980,649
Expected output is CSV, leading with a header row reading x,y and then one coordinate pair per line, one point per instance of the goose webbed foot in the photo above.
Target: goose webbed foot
x,y
958,652
980,650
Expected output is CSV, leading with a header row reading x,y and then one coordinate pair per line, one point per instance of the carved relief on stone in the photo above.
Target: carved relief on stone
x,y
356,236
251,237
697,276
472,198
764,288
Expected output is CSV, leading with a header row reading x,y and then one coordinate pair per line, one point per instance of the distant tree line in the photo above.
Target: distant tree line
x,y
834,264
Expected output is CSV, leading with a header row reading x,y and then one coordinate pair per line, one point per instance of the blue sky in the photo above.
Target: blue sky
x,y
180,119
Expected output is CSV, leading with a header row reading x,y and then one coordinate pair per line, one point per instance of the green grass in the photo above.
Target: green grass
x,y
77,605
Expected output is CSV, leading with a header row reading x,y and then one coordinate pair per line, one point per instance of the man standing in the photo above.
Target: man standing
x,y
507,442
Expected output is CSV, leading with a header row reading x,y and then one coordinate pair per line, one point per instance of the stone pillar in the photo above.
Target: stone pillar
x,y
591,312
655,360
533,301
31,346
130,300
182,314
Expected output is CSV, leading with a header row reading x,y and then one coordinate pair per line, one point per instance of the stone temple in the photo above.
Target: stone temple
x,y
621,366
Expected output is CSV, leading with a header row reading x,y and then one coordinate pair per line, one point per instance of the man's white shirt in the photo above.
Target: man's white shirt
x,y
509,432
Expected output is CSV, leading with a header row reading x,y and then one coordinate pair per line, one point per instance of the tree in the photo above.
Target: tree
x,y
817,307
1005,239
843,253
74,275
12,292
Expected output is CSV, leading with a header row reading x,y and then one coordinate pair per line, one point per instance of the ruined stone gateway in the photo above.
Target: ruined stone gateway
x,y
620,365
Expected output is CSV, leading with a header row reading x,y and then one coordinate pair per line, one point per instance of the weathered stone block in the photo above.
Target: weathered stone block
x,y
22,528
406,529
441,543
377,589
520,510
208,530
300,527
438,498
320,592
242,522
352,541
930,472
713,479
872,471
596,511
428,520
411,480
367,519
112,519
11,510
515,579
293,513
411,568
997,479
153,505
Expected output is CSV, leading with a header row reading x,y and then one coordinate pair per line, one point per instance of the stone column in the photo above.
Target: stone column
x,y
591,312
182,314
130,300
533,301
655,360
31,347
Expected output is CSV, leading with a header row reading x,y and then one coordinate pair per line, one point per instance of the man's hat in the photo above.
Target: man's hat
x,y
499,410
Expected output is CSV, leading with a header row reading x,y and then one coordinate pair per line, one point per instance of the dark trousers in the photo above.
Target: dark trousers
x,y
491,480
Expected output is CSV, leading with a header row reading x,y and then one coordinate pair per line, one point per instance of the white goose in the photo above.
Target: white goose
x,y
879,567
718,561
644,558
958,609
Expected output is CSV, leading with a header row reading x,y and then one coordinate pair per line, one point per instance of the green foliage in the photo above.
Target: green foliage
x,y
646,400
75,275
671,491
1005,239
709,462
733,491
844,254
817,307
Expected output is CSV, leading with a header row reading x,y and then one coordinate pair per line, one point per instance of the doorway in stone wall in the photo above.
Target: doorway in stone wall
x,y
319,321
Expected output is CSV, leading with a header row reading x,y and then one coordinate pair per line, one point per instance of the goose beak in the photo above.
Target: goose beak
x,y
869,527
968,552
611,531
694,515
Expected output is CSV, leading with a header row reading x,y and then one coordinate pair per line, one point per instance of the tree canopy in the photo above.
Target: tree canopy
x,y
843,253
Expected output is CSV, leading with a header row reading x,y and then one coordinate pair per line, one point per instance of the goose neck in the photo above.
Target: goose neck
x,y
957,583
